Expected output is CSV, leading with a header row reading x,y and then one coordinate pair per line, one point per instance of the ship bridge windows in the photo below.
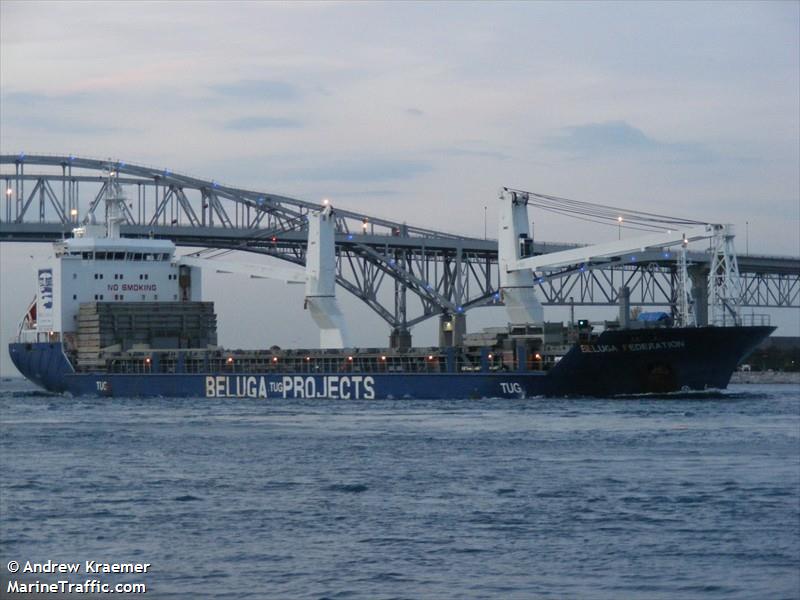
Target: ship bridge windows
x,y
108,255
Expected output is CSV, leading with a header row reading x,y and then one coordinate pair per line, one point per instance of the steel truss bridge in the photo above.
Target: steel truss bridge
x,y
406,274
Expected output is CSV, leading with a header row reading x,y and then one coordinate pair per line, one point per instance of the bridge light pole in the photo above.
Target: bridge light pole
x,y
619,220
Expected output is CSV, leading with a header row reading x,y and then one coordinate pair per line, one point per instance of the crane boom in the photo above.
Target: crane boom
x,y
588,254
253,271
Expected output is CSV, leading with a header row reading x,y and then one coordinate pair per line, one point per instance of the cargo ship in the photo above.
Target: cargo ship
x,y
124,317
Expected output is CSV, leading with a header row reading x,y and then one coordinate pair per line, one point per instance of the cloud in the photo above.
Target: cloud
x,y
414,112
368,169
366,193
476,153
58,113
618,137
251,123
61,125
258,89
29,99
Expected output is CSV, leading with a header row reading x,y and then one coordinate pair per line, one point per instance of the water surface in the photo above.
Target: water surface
x,y
545,498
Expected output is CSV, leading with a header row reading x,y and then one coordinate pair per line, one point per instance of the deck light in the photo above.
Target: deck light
x,y
9,191
274,359
383,358
230,360
350,358
490,357
308,358
430,356
325,202
73,212
537,356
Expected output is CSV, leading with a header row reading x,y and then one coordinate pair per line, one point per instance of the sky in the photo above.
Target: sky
x,y
419,112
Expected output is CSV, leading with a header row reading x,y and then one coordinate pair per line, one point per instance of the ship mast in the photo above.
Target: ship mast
x,y
115,206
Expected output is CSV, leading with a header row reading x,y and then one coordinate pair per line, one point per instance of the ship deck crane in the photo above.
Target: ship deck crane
x,y
319,277
518,266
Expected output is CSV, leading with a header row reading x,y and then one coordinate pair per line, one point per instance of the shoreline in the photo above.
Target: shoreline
x,y
782,377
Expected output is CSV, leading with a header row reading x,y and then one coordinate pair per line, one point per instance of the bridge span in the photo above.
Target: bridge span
x,y
405,273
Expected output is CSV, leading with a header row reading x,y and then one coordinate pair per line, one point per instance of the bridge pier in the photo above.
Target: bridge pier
x,y
699,276
624,307
400,338
452,329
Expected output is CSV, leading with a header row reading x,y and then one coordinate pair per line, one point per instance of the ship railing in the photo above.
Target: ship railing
x,y
755,320
34,336
175,361
233,362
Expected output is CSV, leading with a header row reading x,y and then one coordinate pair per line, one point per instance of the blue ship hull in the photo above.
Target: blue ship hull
x,y
619,362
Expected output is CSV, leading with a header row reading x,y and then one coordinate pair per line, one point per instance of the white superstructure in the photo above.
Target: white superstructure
x,y
97,265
